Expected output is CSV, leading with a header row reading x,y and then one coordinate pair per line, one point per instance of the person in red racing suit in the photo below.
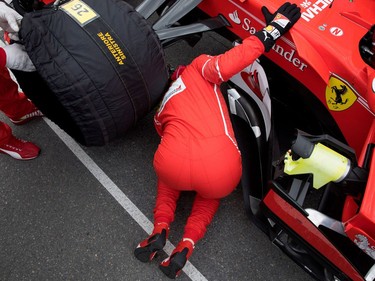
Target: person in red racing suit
x,y
198,150
13,103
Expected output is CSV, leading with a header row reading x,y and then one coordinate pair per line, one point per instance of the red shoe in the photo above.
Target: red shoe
x,y
34,113
148,248
20,149
173,265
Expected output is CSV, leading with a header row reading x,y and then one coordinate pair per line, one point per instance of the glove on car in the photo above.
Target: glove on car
x,y
282,20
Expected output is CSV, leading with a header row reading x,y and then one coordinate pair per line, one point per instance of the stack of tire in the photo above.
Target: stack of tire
x,y
100,67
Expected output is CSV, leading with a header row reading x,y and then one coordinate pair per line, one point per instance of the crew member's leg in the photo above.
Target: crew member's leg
x,y
13,103
166,201
16,148
215,170
202,214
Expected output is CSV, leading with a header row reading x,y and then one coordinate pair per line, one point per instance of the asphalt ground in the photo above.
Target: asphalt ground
x,y
77,213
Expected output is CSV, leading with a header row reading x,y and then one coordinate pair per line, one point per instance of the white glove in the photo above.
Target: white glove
x,y
17,58
9,18
14,36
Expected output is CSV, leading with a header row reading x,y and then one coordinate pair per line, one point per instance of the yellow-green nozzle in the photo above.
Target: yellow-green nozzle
x,y
325,164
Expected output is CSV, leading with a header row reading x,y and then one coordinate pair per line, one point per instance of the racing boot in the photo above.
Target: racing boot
x,y
31,114
172,266
19,149
148,248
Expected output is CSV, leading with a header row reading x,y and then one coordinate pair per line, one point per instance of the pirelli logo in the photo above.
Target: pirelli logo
x,y
99,30
112,47
79,11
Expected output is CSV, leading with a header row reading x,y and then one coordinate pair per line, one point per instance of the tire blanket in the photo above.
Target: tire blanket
x,y
100,67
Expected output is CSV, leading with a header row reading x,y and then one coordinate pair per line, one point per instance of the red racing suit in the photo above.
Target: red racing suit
x,y
198,150
12,102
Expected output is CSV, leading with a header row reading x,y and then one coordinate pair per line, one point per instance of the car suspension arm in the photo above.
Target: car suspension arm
x,y
179,9
204,25
148,7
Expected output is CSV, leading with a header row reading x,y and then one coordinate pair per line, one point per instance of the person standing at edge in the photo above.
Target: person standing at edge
x,y
13,103
198,151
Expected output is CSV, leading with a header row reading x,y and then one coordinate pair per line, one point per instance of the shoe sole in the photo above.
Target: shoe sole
x,y
18,123
175,266
147,253
16,155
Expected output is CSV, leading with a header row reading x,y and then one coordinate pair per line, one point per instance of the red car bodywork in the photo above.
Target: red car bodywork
x,y
322,44
322,51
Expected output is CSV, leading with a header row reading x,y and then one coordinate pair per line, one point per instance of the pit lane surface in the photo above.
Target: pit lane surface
x,y
77,213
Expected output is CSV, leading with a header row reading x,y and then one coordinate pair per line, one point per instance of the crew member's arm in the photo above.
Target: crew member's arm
x,y
13,56
220,68
9,18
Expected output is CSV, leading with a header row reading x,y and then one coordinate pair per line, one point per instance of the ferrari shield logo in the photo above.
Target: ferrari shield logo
x,y
339,94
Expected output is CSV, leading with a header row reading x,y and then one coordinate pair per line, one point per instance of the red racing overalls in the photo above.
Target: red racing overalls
x,y
12,102
198,150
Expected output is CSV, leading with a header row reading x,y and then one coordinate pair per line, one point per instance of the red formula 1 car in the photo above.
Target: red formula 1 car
x,y
304,120
317,199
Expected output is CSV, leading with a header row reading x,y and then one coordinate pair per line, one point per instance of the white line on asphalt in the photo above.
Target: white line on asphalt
x,y
120,197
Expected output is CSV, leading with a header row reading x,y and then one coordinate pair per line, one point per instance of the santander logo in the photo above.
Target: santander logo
x,y
287,52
